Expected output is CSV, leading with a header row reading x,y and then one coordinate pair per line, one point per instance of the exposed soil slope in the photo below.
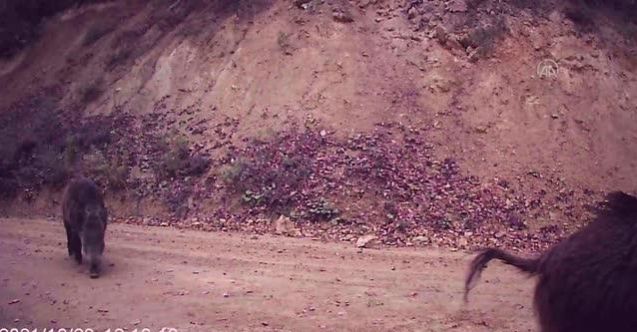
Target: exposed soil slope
x,y
168,103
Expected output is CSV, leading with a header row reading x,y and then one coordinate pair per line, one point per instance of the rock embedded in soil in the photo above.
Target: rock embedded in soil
x,y
366,241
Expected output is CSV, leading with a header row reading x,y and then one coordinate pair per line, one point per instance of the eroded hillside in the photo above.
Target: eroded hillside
x,y
416,121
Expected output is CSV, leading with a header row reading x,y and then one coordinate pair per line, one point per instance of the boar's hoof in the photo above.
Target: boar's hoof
x,y
94,272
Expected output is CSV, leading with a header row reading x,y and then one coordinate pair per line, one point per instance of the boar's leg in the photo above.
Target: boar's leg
x,y
69,240
94,270
76,247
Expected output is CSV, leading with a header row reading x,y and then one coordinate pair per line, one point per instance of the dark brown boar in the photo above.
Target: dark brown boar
x,y
85,219
588,281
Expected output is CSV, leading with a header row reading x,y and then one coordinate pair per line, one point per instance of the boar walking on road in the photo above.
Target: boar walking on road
x,y
85,218
587,282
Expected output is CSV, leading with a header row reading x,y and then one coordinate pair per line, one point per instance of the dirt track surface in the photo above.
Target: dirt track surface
x,y
194,281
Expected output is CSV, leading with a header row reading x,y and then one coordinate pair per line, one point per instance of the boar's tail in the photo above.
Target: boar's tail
x,y
480,262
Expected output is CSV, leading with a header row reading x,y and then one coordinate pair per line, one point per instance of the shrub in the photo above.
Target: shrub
x,y
269,177
176,157
322,210
235,172
49,165
110,174
485,38
178,161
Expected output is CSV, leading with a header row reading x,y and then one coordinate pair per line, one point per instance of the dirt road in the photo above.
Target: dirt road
x,y
193,281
